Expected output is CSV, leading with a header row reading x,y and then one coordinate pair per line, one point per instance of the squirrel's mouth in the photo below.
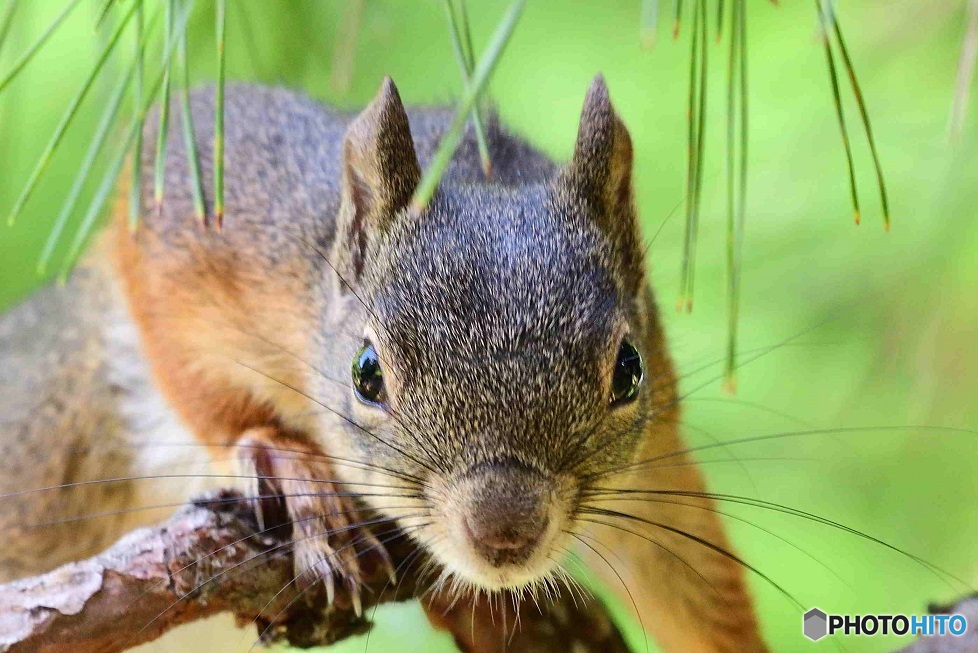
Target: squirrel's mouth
x,y
497,525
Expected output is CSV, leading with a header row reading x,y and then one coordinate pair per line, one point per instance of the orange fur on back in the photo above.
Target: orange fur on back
x,y
201,318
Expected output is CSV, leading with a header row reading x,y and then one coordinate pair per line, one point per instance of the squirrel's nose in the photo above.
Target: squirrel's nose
x,y
507,513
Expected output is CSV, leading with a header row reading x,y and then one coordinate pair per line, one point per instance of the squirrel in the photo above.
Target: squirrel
x,y
478,372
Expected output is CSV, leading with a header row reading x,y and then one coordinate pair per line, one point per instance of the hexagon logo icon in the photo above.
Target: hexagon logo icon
x,y
815,624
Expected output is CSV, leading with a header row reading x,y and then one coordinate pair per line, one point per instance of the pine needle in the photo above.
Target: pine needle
x,y
965,75
837,97
112,174
31,51
6,20
104,12
102,132
700,149
649,23
220,31
465,64
736,193
696,114
345,50
189,136
66,119
136,170
864,114
480,77
463,14
159,178
720,7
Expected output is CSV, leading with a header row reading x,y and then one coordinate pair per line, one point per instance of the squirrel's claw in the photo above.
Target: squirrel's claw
x,y
331,543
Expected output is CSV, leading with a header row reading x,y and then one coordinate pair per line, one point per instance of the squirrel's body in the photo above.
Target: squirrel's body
x,y
495,314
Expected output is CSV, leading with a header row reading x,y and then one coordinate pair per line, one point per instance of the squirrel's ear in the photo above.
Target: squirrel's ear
x,y
380,172
599,177
601,170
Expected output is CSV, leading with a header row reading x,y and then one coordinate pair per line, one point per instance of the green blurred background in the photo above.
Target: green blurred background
x,y
886,322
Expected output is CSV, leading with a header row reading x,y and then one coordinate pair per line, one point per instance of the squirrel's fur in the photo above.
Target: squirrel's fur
x,y
497,311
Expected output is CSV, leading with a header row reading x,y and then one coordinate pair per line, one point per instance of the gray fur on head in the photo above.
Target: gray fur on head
x,y
497,312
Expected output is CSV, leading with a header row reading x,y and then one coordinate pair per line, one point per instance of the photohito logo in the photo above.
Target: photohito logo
x,y
816,624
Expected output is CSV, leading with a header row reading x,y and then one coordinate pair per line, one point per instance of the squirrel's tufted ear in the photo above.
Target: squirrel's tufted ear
x,y
599,176
380,173
601,170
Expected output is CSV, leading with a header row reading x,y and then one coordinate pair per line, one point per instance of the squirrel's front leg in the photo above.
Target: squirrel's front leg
x,y
294,485
666,557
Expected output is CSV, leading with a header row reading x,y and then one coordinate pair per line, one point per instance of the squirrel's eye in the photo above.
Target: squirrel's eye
x,y
368,379
627,375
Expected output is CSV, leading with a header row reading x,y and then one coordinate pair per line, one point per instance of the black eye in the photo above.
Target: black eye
x,y
368,379
628,374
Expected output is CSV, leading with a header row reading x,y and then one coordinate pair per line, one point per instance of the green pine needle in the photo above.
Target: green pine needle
x,y
31,51
465,64
104,12
66,120
649,24
463,15
6,20
159,178
112,173
102,132
480,77
720,6
864,114
700,149
189,137
220,28
135,171
345,50
736,192
840,113
696,130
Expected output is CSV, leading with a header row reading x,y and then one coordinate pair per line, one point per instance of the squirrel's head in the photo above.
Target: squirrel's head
x,y
507,349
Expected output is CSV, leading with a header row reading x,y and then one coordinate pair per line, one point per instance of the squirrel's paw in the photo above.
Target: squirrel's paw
x,y
293,485
332,544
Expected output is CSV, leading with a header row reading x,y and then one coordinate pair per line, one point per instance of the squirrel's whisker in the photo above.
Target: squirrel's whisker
x,y
606,512
938,572
576,452
828,431
301,455
736,402
729,515
221,501
347,419
298,358
580,537
670,552
714,439
252,333
122,479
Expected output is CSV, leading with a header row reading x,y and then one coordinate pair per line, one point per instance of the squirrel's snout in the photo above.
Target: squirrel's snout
x,y
507,540
500,523
507,513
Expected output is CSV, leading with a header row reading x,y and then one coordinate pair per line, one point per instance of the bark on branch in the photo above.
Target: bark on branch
x,y
155,579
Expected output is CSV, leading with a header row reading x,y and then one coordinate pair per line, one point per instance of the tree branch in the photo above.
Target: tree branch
x,y
210,558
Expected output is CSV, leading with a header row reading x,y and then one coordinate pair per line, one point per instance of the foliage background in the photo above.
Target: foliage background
x,y
899,345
